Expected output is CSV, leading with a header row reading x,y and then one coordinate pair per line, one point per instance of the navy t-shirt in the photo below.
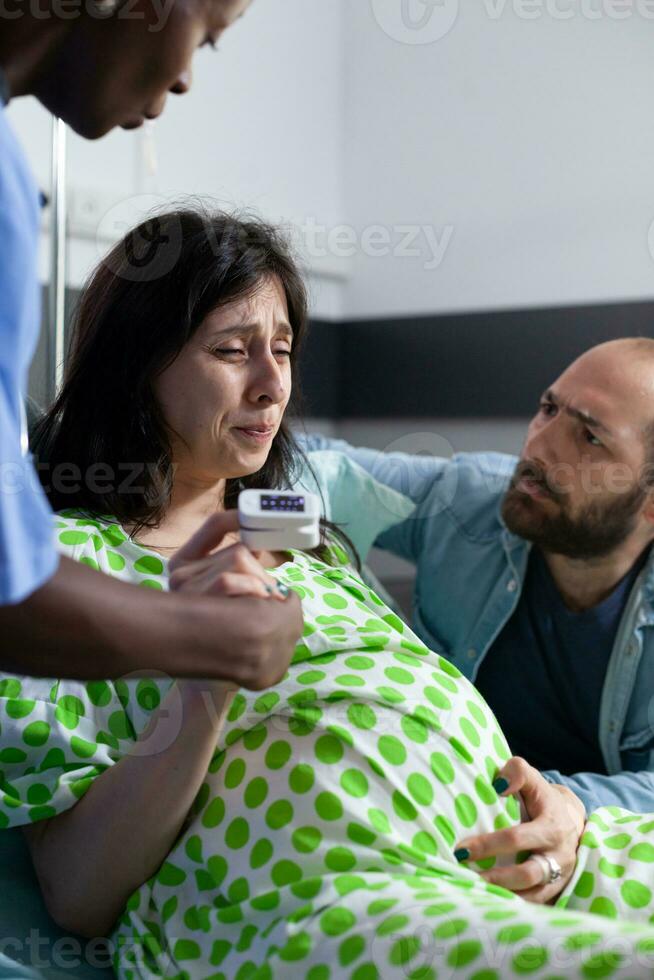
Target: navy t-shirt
x,y
543,676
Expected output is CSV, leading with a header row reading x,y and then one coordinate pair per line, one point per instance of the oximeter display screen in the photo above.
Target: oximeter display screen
x,y
282,505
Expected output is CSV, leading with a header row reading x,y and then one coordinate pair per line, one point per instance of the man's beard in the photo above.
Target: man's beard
x,y
597,530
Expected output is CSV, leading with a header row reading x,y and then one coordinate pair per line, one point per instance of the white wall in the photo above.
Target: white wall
x,y
523,146
532,139
262,128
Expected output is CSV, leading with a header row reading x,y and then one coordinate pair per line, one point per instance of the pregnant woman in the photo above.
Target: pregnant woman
x,y
307,830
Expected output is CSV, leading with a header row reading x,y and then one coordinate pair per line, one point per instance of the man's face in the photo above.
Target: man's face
x,y
578,489
117,70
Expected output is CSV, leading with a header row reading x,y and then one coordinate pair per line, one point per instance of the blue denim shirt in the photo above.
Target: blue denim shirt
x,y
470,574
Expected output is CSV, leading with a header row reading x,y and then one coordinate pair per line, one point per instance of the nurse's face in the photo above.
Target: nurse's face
x,y
223,398
117,70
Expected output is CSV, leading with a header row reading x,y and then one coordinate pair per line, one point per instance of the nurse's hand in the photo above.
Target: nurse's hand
x,y
556,820
210,564
260,634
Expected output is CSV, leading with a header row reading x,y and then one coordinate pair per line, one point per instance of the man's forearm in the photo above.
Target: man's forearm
x,y
630,790
87,625
411,475
415,477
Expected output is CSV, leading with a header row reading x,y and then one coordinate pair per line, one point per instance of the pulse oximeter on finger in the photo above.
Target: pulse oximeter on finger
x,y
276,520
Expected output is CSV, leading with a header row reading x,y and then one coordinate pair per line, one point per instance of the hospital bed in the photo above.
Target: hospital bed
x,y
27,933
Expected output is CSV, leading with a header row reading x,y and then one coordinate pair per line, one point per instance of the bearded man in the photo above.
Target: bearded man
x,y
535,577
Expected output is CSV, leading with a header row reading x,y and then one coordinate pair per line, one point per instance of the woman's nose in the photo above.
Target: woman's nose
x,y
269,383
271,392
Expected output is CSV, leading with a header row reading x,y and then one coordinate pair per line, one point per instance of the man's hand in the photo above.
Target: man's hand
x,y
556,820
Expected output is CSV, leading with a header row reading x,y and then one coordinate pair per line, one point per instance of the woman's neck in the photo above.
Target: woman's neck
x,y
192,501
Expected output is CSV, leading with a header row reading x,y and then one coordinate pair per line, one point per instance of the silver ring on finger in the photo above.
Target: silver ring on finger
x,y
549,866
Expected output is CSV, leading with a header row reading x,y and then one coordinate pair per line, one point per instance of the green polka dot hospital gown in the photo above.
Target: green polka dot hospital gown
x,y
320,845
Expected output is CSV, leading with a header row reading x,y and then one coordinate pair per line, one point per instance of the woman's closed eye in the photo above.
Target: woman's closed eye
x,y
227,351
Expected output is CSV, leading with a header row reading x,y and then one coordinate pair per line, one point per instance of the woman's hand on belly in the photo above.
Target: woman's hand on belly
x,y
554,824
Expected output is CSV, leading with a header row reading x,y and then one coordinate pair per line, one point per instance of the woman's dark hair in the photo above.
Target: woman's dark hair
x,y
103,446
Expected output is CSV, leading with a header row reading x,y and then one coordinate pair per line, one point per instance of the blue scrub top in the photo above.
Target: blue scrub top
x,y
27,551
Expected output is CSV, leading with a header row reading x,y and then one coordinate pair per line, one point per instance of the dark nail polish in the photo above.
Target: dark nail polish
x,y
500,785
283,589
462,854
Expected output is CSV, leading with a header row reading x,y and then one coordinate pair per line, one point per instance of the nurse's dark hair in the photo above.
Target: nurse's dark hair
x,y
104,447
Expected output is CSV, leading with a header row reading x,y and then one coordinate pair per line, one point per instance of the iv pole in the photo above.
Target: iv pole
x,y
57,289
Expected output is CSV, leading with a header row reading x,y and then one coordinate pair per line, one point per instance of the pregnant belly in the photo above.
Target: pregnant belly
x,y
338,782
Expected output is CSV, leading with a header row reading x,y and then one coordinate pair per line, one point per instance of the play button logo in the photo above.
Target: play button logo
x,y
416,21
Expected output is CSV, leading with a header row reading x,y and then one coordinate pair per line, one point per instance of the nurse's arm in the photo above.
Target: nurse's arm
x,y
90,859
87,625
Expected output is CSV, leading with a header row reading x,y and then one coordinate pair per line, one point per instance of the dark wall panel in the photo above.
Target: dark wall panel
x,y
468,365
472,365
321,371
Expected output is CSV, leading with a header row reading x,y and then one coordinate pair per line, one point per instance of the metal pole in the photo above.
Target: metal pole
x,y
57,290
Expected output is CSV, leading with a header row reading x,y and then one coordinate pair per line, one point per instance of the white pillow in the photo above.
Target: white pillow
x,y
354,499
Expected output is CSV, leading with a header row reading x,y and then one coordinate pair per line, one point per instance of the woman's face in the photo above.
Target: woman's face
x,y
224,396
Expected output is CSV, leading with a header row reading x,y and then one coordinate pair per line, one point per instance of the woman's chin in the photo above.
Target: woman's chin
x,y
243,457
247,465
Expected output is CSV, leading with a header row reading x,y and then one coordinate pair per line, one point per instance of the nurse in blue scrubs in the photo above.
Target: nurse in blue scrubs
x,y
103,65
99,70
